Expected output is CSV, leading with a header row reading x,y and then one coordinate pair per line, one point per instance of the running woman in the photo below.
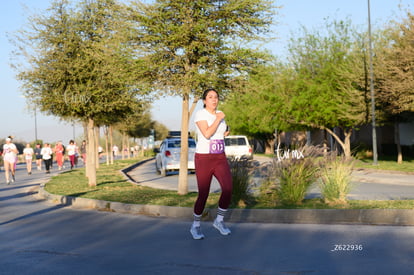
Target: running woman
x,y
28,156
9,159
210,160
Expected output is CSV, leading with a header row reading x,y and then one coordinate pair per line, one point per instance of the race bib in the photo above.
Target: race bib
x,y
216,146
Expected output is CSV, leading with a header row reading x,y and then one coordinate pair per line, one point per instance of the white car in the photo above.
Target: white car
x,y
237,147
168,157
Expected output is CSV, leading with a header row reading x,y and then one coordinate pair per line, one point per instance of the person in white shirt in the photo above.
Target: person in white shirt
x,y
9,159
210,160
115,151
71,149
47,156
28,156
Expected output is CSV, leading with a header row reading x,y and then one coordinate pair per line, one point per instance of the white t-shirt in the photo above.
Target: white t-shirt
x,y
28,152
71,149
8,152
46,153
203,144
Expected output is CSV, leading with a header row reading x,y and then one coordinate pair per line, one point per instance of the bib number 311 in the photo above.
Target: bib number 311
x,y
216,146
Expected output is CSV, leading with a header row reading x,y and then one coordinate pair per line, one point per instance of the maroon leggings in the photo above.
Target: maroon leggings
x,y
206,166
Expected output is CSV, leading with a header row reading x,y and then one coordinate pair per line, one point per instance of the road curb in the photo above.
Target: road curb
x,y
326,216
399,217
125,208
125,171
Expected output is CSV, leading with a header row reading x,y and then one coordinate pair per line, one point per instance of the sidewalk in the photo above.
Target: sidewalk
x,y
383,177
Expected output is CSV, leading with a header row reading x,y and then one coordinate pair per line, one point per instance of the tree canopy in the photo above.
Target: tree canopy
x,y
396,80
255,109
188,46
394,62
80,64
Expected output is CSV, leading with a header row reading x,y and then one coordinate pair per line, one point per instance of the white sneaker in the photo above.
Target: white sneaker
x,y
196,233
220,226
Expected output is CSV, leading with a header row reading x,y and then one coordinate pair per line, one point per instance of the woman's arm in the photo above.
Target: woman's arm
x,y
208,131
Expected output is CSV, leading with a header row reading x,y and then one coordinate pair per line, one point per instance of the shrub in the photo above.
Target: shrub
x,y
335,180
296,176
268,192
290,178
241,172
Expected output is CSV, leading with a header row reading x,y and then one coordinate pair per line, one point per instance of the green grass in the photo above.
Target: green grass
x,y
387,164
112,186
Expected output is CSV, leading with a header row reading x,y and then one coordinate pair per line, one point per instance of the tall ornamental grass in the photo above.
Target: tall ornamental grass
x,y
296,176
241,171
290,178
335,180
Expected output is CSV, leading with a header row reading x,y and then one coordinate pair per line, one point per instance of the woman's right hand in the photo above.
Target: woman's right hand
x,y
220,115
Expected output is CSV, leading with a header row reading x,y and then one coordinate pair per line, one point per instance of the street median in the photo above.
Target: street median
x,y
399,217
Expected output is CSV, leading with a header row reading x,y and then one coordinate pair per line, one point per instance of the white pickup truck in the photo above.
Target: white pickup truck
x,y
238,147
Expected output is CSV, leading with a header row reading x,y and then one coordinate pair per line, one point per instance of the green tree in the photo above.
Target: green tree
x,y
255,110
316,89
161,131
190,45
140,125
80,64
395,74
327,64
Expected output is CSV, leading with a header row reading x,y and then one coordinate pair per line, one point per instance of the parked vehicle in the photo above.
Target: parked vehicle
x,y
238,147
168,156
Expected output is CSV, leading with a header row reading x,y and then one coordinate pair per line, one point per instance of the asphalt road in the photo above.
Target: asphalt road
x,y
38,237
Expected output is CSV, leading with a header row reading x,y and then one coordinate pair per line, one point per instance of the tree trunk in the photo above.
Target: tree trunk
x,y
123,146
85,134
397,142
128,147
346,144
111,145
308,138
269,146
183,174
106,131
91,151
97,135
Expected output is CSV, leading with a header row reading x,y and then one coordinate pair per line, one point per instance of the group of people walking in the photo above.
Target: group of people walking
x,y
41,154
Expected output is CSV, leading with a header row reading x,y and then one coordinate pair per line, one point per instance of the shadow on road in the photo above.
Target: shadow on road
x,y
12,187
40,212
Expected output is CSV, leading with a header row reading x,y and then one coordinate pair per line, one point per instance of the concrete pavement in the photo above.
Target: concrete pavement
x,y
311,216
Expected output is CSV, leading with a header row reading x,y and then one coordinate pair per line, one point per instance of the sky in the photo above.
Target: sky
x,y
16,118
